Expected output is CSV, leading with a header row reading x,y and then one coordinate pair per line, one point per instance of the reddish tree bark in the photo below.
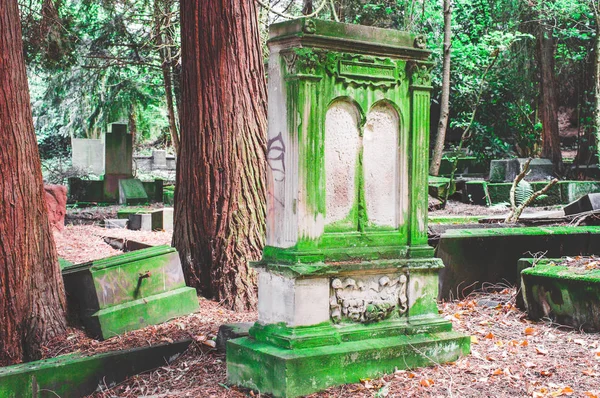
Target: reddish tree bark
x,y
220,190
549,99
31,291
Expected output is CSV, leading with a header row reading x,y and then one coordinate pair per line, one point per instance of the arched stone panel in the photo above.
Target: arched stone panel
x,y
342,145
380,164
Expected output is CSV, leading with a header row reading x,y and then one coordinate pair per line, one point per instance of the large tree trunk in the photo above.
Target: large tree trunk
x,y
436,160
31,291
220,190
549,99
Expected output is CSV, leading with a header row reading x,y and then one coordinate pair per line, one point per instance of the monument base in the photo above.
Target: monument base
x,y
282,372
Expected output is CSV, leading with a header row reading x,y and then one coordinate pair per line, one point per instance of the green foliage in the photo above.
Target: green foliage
x,y
103,68
523,191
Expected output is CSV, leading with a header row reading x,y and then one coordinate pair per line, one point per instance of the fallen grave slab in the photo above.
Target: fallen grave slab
x,y
567,295
474,257
129,291
589,202
75,375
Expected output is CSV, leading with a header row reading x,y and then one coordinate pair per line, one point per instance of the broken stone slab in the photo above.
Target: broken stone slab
x,y
474,257
78,375
567,295
140,222
231,331
589,202
129,291
115,223
131,191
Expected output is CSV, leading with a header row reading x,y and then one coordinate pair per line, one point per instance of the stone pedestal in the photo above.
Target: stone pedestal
x,y
118,159
347,282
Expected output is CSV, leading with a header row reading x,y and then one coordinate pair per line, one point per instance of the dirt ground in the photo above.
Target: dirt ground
x,y
511,356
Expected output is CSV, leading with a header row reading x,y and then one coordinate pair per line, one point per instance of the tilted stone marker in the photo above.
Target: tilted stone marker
x,y
118,159
347,282
129,291
589,202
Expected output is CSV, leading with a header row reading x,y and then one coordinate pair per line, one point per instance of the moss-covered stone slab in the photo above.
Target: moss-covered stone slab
x,y
476,192
129,291
131,192
476,256
564,192
293,373
567,295
75,375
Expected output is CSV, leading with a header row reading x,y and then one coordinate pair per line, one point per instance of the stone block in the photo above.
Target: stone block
x,y
86,190
439,185
131,191
159,159
162,219
56,204
231,331
154,190
124,212
567,296
504,170
292,373
129,291
88,155
114,223
476,192
589,202
539,169
140,222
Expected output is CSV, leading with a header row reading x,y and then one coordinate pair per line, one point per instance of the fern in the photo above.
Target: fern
x,y
523,192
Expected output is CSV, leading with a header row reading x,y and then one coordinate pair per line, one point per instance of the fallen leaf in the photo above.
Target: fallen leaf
x,y
426,382
490,335
545,373
580,342
497,372
529,331
590,394
524,343
210,343
541,350
530,365
474,340
590,372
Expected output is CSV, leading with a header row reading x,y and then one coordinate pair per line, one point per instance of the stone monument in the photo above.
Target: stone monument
x,y
347,285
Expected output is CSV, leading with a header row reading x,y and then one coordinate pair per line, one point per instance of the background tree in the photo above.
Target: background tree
x,y
440,139
220,190
32,299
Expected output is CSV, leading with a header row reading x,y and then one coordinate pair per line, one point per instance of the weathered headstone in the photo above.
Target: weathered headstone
x,y
347,285
159,159
162,219
88,155
129,291
118,159
115,223
140,222
132,192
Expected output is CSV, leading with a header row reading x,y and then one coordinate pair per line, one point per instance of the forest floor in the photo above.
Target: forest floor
x,y
510,355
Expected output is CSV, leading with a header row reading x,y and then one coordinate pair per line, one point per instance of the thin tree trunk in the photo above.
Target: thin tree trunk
x,y
436,160
164,42
32,299
307,8
549,99
596,6
220,190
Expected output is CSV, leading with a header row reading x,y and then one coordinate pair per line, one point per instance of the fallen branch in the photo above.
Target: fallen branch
x,y
516,211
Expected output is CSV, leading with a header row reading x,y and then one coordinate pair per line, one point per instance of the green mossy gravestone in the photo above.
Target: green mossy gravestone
x,y
347,283
129,291
118,159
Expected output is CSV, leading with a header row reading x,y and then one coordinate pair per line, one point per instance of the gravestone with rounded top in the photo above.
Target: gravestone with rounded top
x,y
347,285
